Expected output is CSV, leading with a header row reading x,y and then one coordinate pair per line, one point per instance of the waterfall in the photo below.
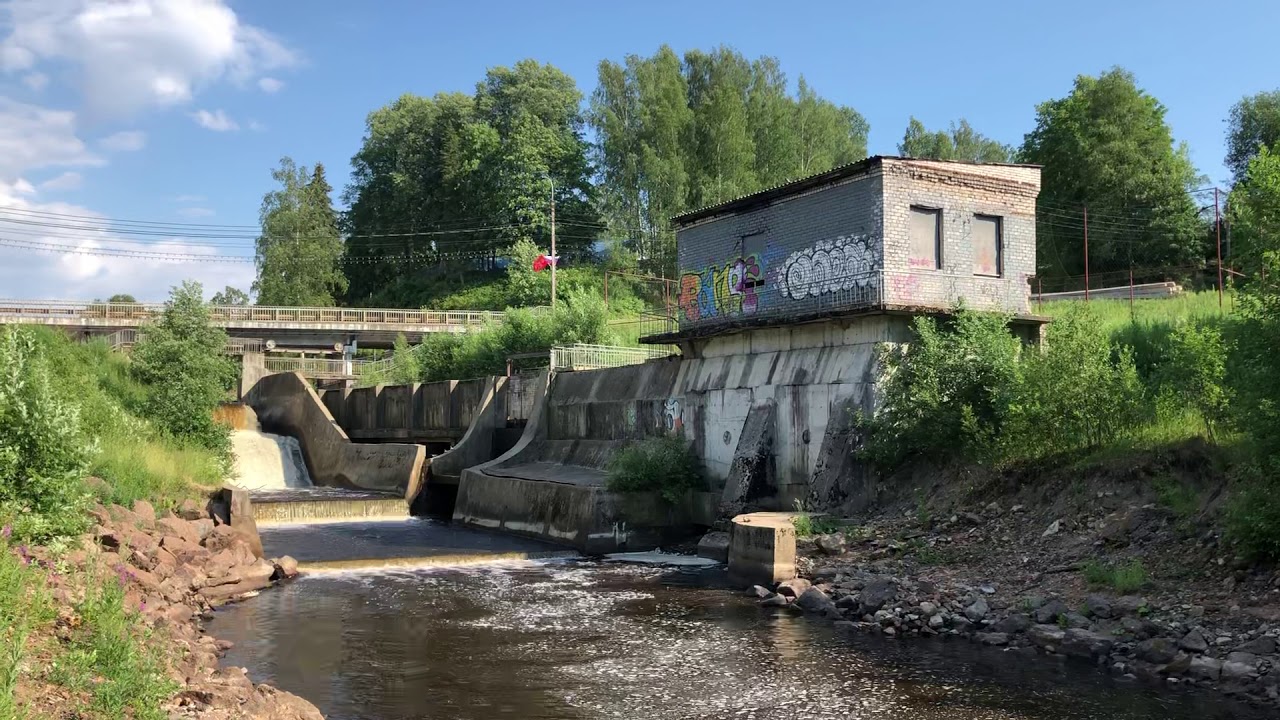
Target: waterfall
x,y
264,461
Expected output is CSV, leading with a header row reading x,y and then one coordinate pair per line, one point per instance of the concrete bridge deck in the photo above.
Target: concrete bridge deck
x,y
289,327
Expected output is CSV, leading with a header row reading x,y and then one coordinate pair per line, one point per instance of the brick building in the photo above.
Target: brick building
x,y
884,235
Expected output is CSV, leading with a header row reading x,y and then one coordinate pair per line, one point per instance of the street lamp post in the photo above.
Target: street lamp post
x,y
554,259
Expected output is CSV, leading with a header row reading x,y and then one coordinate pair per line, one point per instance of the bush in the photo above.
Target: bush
x,y
946,392
1193,371
44,453
663,464
24,605
1253,517
181,359
1079,392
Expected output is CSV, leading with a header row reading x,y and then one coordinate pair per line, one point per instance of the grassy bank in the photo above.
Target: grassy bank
x,y
81,424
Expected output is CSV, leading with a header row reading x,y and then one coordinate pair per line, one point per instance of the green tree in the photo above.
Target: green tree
x,y
1106,146
1253,210
121,298
299,250
721,154
181,358
1254,123
829,134
230,296
448,183
961,142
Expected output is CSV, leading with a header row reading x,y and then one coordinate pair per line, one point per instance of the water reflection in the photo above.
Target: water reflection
x,y
584,640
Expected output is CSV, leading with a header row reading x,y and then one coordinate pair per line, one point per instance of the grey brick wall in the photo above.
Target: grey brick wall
x,y
800,254
845,245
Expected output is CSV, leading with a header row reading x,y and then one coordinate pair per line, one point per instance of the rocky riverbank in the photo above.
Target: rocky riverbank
x,y
175,568
1106,571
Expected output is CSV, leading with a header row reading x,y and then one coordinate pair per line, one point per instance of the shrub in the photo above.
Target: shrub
x,y
945,392
181,359
1078,392
24,605
1124,578
1253,517
663,464
1193,370
44,453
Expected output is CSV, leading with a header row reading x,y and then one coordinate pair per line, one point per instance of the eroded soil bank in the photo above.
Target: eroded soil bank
x,y
1122,566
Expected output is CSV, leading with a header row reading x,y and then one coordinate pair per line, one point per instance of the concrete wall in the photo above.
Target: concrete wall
x,y
287,404
437,411
476,446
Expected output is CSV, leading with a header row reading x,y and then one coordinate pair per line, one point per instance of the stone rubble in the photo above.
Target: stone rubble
x,y
176,569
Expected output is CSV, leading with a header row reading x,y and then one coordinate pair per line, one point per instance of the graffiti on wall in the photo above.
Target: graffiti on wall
x,y
672,415
721,290
828,266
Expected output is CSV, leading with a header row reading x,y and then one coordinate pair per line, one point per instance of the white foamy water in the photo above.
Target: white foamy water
x,y
268,462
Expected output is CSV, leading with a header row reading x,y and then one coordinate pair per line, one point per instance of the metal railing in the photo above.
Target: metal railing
x,y
136,313
317,368
125,338
580,356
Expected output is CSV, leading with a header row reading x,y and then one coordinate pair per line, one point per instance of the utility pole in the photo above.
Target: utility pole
x,y
1217,226
554,260
1086,253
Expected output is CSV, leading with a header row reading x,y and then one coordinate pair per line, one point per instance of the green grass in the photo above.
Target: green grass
x,y
1122,577
807,525
24,606
110,658
1115,314
1177,497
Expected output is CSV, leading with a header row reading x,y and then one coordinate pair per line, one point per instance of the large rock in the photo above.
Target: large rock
x,y
1097,606
1079,642
832,544
240,580
1157,651
1049,612
287,567
145,513
1046,635
1259,646
876,594
1194,642
1014,624
814,600
794,587
978,610
714,546
1205,668
179,528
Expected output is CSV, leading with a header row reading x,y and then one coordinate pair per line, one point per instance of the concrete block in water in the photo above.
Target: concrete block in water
x,y
714,546
762,547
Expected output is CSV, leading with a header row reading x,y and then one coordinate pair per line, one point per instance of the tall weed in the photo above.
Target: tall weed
x,y
663,464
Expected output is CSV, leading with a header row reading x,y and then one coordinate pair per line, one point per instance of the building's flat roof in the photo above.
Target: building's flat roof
x,y
763,197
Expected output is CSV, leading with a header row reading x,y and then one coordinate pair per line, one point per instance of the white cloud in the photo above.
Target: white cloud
x,y
66,181
124,141
189,199
36,80
195,212
133,54
35,137
217,121
270,85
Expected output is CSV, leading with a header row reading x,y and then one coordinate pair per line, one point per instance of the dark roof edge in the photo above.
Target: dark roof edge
x,y
837,173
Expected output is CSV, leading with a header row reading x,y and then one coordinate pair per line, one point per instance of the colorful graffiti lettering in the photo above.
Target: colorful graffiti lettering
x,y
844,263
721,290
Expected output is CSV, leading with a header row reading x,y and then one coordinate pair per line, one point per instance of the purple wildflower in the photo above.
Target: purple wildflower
x,y
6,532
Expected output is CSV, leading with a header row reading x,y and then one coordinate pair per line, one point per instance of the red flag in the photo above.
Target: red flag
x,y
541,263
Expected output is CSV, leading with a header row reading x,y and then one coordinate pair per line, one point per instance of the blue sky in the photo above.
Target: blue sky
x,y
176,110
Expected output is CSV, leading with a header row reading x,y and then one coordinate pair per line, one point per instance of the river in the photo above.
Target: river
x,y
589,639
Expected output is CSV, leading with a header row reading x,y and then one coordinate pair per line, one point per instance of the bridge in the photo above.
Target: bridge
x,y
286,327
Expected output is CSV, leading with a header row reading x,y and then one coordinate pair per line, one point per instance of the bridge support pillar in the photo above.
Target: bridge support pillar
x,y
253,366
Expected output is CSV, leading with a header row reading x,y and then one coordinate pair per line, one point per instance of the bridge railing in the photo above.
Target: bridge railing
x,y
37,310
317,368
581,356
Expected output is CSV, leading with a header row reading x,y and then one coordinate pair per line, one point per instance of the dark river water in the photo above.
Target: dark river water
x,y
575,639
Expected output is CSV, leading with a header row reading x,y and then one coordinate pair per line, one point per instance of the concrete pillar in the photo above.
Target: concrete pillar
x,y
253,366
762,548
